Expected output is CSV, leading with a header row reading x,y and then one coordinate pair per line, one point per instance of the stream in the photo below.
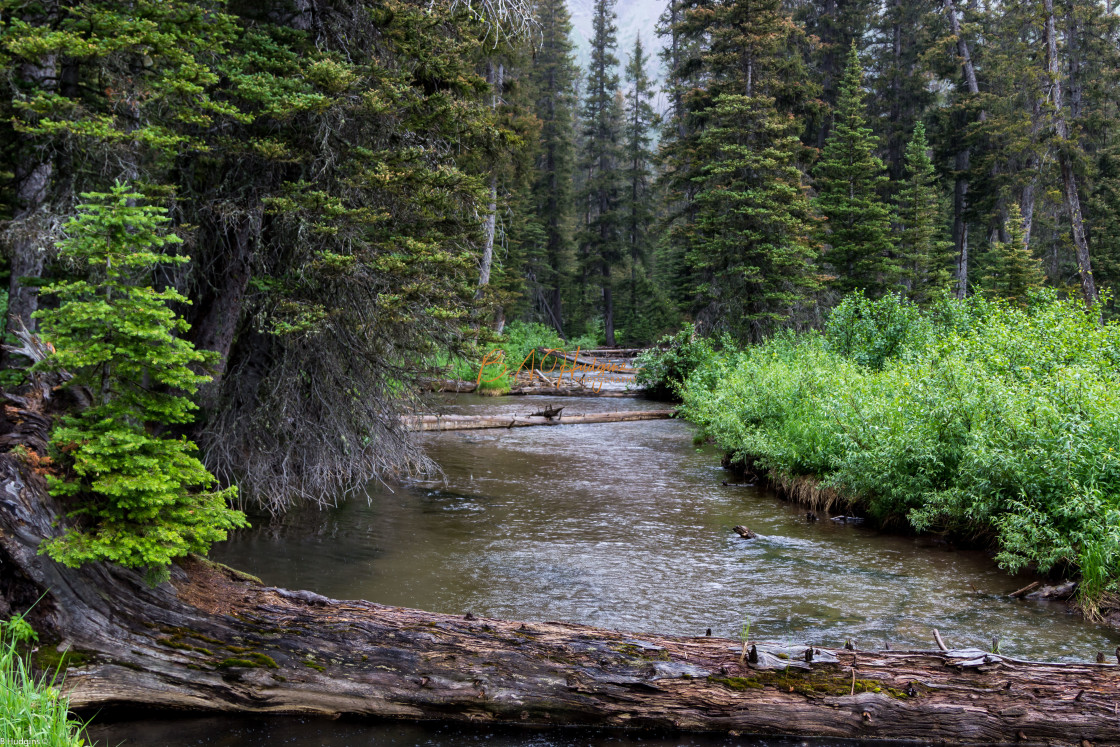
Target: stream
x,y
625,526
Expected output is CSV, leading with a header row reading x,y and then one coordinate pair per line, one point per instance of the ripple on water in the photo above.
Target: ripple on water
x,y
627,526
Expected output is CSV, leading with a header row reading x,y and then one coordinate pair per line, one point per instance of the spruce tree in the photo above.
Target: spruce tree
x,y
637,199
850,181
925,255
1013,272
601,240
552,80
142,497
749,245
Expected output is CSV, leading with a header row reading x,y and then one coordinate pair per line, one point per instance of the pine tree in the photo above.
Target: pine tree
x,y
637,199
850,179
925,255
552,79
1013,272
601,243
144,498
749,244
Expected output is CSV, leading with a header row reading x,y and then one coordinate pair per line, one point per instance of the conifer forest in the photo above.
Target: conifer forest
x,y
870,250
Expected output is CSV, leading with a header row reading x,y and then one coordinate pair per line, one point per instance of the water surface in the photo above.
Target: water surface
x,y
625,526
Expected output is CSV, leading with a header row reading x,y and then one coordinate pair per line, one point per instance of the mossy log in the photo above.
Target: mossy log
x,y
476,422
212,639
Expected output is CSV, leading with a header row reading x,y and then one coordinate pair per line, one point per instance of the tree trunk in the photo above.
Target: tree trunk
x,y
960,191
608,305
495,75
215,640
960,223
27,234
220,309
1069,178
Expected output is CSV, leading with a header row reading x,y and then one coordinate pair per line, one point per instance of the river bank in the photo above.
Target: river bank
x,y
975,419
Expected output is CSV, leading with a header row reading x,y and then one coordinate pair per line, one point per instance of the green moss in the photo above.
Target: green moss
x,y
227,663
815,682
186,647
239,575
50,659
737,683
176,634
313,665
252,659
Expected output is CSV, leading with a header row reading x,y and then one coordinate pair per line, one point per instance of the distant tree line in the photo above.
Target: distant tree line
x,y
811,148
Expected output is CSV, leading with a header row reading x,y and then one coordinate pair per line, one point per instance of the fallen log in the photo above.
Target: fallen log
x,y
449,385
215,640
614,352
596,365
569,391
476,422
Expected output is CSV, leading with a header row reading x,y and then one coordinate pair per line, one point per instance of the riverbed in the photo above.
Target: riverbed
x,y
625,526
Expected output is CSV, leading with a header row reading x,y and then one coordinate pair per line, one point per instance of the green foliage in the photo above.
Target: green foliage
x,y
850,181
977,416
925,256
142,499
32,709
18,630
872,332
1013,274
740,222
663,370
515,352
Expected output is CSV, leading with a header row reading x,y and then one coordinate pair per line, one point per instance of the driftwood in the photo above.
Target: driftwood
x,y
596,365
215,640
614,352
571,391
449,385
475,422
744,532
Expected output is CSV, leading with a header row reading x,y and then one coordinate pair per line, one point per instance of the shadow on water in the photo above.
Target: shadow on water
x,y
227,732
623,526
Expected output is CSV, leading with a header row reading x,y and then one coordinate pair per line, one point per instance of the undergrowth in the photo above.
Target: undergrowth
x,y
974,416
32,709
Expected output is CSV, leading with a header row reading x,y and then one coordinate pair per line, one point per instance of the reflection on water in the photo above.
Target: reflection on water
x,y
225,732
627,526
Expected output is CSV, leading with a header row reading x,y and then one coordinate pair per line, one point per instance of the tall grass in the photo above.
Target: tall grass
x,y
32,709
975,416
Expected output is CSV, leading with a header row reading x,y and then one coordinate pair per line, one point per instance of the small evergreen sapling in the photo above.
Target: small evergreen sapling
x,y
142,497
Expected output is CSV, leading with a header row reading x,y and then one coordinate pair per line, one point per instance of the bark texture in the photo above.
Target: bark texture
x,y
215,640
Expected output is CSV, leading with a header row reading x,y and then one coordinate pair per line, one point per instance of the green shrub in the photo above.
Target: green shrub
x,y
495,370
662,370
977,416
141,498
871,332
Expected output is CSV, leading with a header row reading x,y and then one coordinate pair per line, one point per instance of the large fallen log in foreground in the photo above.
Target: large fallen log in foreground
x,y
215,640
475,422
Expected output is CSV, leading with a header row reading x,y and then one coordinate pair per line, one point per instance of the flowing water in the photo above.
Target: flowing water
x,y
625,526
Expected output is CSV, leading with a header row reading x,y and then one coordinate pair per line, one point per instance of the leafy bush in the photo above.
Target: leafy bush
x,y
32,710
871,332
142,498
662,370
495,370
977,416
